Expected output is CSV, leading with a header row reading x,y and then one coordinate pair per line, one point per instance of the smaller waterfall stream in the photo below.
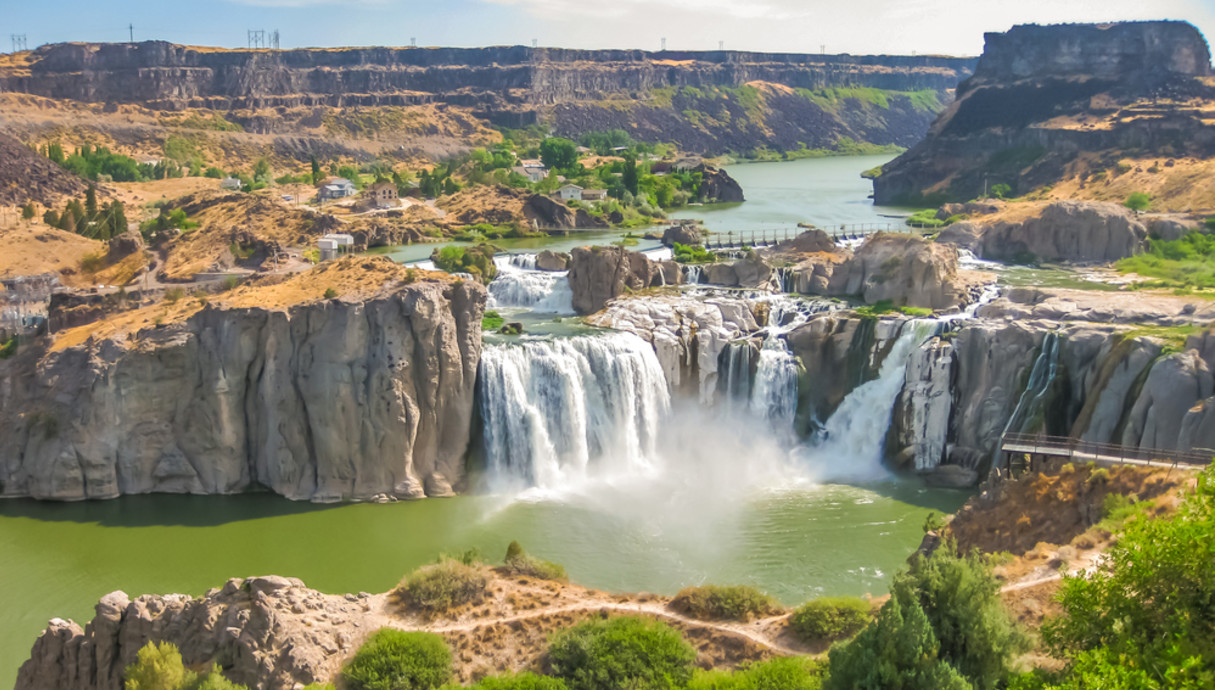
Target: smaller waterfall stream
x,y
520,286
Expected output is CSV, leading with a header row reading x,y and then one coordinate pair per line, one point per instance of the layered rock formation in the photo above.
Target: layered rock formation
x,y
1045,102
1062,231
315,399
904,269
518,86
597,274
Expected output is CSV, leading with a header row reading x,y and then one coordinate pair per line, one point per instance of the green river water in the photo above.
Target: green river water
x,y
786,534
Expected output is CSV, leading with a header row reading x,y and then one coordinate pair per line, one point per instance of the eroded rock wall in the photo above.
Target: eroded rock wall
x,y
331,400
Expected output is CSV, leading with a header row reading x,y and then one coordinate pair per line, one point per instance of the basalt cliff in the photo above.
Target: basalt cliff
x,y
1101,109
348,382
707,102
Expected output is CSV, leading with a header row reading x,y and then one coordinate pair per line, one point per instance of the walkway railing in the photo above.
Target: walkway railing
x,y
1075,449
767,238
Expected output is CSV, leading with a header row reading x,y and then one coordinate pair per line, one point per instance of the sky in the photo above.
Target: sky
x,y
948,27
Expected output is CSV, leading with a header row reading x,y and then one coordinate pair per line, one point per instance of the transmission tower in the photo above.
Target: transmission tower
x,y
721,45
664,44
131,29
413,42
257,38
535,43
19,43
274,39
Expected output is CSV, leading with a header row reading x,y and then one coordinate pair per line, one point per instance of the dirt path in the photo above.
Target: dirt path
x,y
650,609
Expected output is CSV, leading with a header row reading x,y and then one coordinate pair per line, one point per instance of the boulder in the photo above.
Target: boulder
x,y
682,233
550,212
124,244
549,260
1079,231
1170,229
717,186
597,274
905,269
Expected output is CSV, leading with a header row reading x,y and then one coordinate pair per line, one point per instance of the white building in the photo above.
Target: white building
x,y
570,192
230,183
339,188
333,244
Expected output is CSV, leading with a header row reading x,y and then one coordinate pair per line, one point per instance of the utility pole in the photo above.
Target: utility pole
x,y
131,29
721,45
664,44
535,43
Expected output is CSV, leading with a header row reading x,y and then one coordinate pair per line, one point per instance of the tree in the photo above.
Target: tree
x,y
51,218
557,153
316,171
628,175
90,203
28,211
158,666
117,218
625,652
54,151
1148,606
1001,191
397,660
1138,202
519,681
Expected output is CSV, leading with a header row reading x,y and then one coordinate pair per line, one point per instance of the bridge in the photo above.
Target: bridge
x,y
767,238
1041,448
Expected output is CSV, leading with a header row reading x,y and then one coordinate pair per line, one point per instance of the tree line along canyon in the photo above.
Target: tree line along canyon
x,y
878,371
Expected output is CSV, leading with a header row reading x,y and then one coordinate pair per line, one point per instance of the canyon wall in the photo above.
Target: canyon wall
x,y
330,400
1049,102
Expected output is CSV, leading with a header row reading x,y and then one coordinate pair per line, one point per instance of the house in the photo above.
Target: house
x,y
594,194
570,192
337,188
333,244
230,183
383,195
533,170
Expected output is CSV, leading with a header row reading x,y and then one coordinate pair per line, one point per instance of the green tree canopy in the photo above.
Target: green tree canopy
x,y
1138,201
558,153
625,652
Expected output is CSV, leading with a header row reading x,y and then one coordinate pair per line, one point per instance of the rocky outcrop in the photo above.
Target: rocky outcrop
x,y
270,632
548,260
335,399
549,212
1047,103
750,271
28,176
905,269
597,274
718,187
688,334
682,233
1079,231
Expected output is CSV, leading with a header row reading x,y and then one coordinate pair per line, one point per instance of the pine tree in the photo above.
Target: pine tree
x,y
90,203
316,171
28,211
118,218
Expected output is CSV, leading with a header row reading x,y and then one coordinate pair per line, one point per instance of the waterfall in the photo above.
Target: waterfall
x,y
1029,405
774,393
518,285
692,274
734,372
852,442
556,410
786,277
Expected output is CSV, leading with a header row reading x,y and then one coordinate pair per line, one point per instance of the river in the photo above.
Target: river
x,y
703,502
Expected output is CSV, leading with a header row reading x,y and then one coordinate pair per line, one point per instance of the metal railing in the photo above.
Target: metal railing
x,y
1106,453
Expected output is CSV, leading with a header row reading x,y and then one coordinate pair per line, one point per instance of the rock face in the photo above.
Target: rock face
x,y
749,272
1064,231
324,401
262,628
549,212
682,233
719,187
548,260
597,274
904,269
1042,96
28,176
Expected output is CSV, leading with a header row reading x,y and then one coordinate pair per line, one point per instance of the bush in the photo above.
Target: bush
x,y
693,254
519,681
492,321
518,562
443,586
330,293
158,666
782,673
397,660
625,652
8,348
830,618
1138,201
739,602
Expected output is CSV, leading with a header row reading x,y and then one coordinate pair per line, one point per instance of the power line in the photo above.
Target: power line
x,y
19,43
257,38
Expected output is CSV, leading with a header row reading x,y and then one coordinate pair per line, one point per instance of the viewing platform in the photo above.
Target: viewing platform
x,y
1040,448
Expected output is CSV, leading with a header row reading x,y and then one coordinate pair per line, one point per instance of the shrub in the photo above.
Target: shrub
x,y
93,262
330,293
397,660
443,586
520,681
1138,201
8,348
693,254
739,602
172,295
782,673
1001,190
518,562
625,652
830,618
492,321
158,666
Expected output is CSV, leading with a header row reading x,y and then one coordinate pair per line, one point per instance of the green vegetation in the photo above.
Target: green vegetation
x,y
397,660
330,293
476,261
886,306
943,627
158,666
872,173
558,154
625,652
1185,262
1001,191
168,219
781,673
694,254
738,602
1144,618
492,321
443,586
830,618
87,219
1174,336
8,348
28,211
517,681
1138,201
519,562
926,218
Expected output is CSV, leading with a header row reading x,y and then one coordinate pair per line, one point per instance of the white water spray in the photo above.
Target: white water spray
x,y
519,285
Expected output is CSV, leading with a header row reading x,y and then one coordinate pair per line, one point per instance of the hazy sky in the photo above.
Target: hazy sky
x,y
857,26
